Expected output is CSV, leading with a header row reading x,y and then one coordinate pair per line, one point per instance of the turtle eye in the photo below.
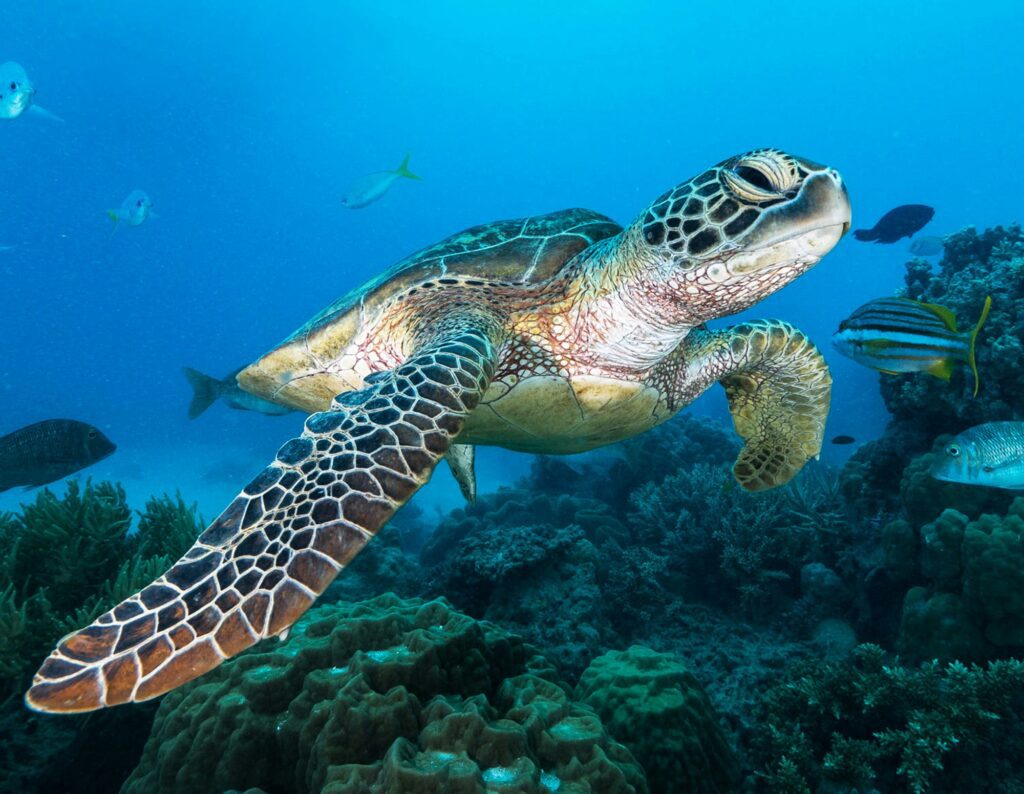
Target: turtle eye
x,y
760,176
755,177
988,469
953,451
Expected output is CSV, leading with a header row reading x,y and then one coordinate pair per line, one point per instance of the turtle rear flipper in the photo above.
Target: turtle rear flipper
x,y
462,460
779,389
281,542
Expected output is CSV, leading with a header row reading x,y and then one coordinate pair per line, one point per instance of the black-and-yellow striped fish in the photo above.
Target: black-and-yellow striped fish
x,y
895,335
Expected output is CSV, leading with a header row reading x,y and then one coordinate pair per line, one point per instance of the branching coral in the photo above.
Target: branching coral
x,y
712,534
871,723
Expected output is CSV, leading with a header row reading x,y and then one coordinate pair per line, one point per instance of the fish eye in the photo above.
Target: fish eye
x,y
92,434
14,86
953,451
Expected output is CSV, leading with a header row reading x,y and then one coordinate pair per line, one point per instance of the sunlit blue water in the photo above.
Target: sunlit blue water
x,y
246,122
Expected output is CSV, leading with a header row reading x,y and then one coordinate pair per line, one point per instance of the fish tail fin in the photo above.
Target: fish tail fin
x,y
205,390
115,220
44,114
403,170
865,235
971,361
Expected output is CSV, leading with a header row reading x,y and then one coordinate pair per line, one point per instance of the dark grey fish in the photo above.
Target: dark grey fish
x,y
207,390
840,440
904,221
50,450
927,246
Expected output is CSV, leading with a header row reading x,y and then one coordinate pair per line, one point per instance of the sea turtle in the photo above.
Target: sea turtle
x,y
554,333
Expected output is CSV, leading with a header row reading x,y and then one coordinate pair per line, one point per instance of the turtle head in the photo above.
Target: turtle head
x,y
742,230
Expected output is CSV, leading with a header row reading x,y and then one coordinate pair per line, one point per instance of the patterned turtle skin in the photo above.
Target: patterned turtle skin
x,y
556,333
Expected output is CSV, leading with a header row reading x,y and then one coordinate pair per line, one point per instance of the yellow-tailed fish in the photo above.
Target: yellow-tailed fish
x,y
991,454
896,335
368,189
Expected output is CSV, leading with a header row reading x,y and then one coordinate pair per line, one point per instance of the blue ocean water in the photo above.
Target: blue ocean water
x,y
246,122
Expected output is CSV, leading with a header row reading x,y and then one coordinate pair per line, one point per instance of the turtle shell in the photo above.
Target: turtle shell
x,y
524,251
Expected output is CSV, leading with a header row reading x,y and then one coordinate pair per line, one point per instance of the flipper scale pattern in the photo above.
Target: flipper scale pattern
x,y
280,543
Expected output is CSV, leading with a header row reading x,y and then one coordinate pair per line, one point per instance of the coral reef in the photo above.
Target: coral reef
x,y
384,695
974,265
867,724
650,701
65,561
514,553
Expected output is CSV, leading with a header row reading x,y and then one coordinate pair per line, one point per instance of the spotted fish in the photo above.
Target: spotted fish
x,y
991,454
896,335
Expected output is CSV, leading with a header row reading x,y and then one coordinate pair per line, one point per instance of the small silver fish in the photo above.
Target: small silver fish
x,y
17,93
991,454
895,335
134,210
369,188
927,246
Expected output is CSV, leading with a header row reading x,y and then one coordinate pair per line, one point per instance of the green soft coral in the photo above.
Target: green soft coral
x,y
64,561
69,559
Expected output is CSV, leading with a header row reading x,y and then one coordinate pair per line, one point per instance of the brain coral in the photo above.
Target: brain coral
x,y
386,696
653,704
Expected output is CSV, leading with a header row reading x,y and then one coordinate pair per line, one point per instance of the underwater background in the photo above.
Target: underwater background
x,y
688,637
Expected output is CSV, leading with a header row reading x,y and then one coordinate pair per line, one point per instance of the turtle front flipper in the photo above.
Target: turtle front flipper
x,y
779,389
277,546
